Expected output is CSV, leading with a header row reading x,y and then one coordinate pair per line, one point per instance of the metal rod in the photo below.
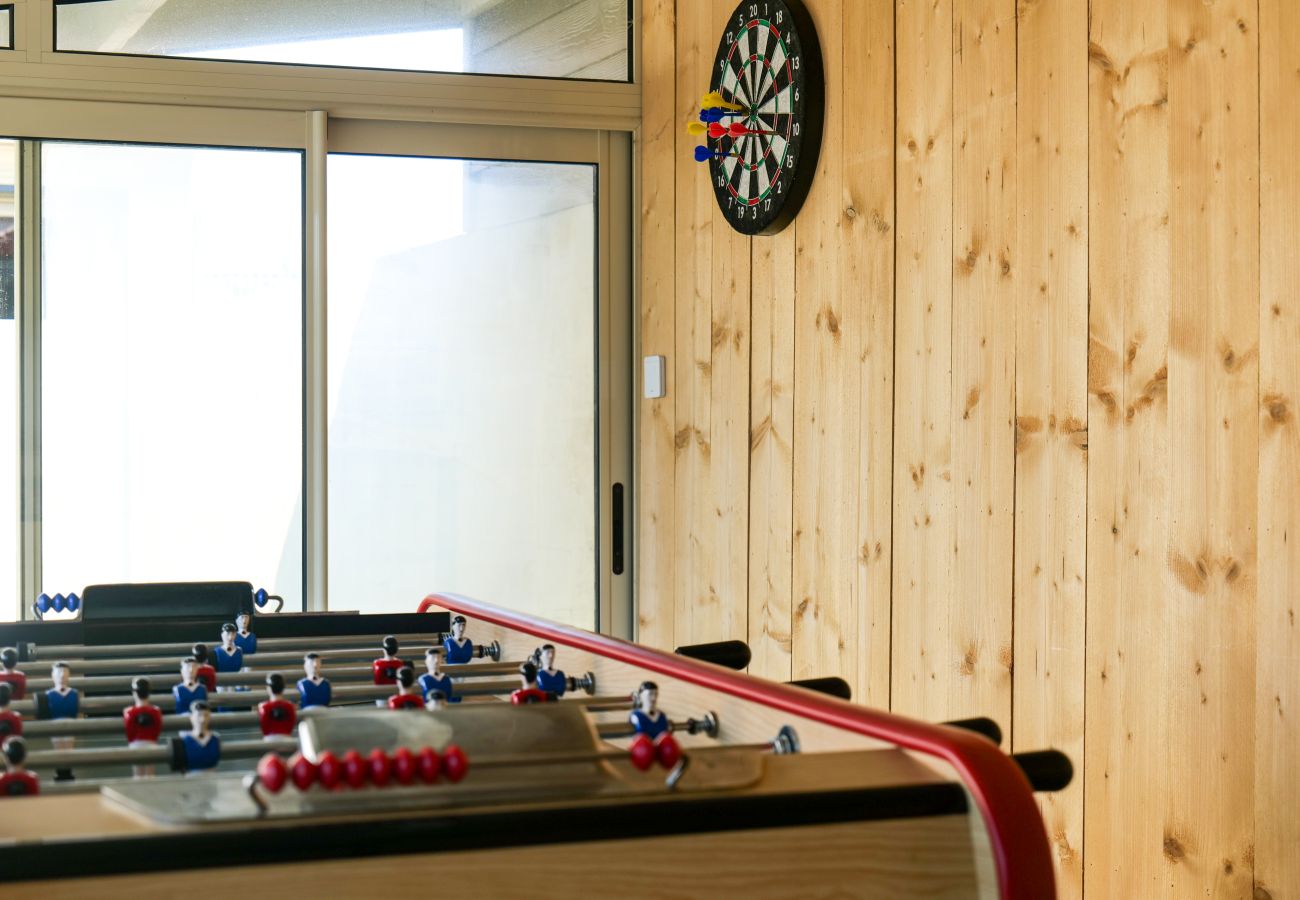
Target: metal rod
x,y
138,756
146,664
257,677
69,652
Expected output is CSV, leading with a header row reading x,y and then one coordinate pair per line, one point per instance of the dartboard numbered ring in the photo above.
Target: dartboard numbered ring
x,y
768,62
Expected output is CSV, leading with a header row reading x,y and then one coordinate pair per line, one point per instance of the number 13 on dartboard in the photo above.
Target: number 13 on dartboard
x,y
762,116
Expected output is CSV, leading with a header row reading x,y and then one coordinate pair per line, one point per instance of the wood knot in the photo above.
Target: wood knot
x,y
968,660
851,212
1276,405
682,438
1174,849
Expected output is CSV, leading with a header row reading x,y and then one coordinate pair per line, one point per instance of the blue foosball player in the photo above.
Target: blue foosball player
x,y
550,678
62,701
16,780
202,745
228,657
434,679
314,689
245,640
460,649
647,718
190,690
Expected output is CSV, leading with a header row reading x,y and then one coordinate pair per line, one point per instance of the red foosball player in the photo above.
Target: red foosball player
x,y
204,673
277,715
11,724
10,675
388,665
408,694
17,781
530,692
143,722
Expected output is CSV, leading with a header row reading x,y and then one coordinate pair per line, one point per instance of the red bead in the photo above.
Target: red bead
x,y
381,767
329,770
404,765
642,752
455,764
668,751
355,769
427,764
273,772
302,771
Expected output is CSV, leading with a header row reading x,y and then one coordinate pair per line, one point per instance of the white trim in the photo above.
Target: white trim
x,y
28,311
315,512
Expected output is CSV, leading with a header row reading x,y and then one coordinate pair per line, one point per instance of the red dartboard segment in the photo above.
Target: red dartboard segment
x,y
768,62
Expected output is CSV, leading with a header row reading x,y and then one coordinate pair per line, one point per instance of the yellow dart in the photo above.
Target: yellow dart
x,y
697,128
715,99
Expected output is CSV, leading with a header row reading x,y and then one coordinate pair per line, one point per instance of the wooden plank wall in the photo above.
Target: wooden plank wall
x,y
1006,423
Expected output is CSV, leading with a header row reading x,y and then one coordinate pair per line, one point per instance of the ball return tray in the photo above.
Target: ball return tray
x,y
528,754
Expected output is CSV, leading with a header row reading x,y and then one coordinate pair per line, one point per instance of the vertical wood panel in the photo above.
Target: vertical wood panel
x,y
1051,403
977,676
654,497
693,482
825,401
923,527
722,613
1277,691
771,461
1128,445
1213,395
868,282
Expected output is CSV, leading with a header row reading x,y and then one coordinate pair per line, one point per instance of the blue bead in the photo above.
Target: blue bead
x,y
58,603
43,603
74,603
260,597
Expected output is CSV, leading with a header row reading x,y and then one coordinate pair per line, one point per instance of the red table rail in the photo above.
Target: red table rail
x,y
1016,834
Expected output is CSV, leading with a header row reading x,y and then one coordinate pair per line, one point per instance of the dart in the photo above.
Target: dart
x,y
717,114
704,154
697,128
716,99
739,129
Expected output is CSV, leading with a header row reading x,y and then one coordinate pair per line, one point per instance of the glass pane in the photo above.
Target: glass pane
x,y
9,605
171,366
462,429
7,27
544,38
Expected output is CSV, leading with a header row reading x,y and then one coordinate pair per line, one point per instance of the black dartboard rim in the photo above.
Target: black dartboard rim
x,y
798,39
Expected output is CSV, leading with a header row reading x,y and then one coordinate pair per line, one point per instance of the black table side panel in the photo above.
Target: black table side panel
x,y
446,833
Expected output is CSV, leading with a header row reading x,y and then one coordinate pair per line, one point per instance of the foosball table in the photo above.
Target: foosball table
x,y
467,747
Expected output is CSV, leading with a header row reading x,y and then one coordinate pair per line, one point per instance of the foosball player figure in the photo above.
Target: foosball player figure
x,y
434,679
62,700
17,781
190,690
228,657
276,715
408,694
10,675
388,665
204,674
550,678
143,722
435,700
653,730
202,745
314,689
11,723
460,649
529,692
245,640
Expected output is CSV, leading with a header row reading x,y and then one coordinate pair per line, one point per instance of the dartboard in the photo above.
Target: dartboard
x,y
769,65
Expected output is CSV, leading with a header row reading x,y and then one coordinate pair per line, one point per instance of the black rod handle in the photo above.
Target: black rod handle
x,y
732,654
832,686
616,524
1047,770
981,725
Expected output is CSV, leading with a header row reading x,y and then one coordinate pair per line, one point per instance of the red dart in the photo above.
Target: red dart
x,y
738,129
717,130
